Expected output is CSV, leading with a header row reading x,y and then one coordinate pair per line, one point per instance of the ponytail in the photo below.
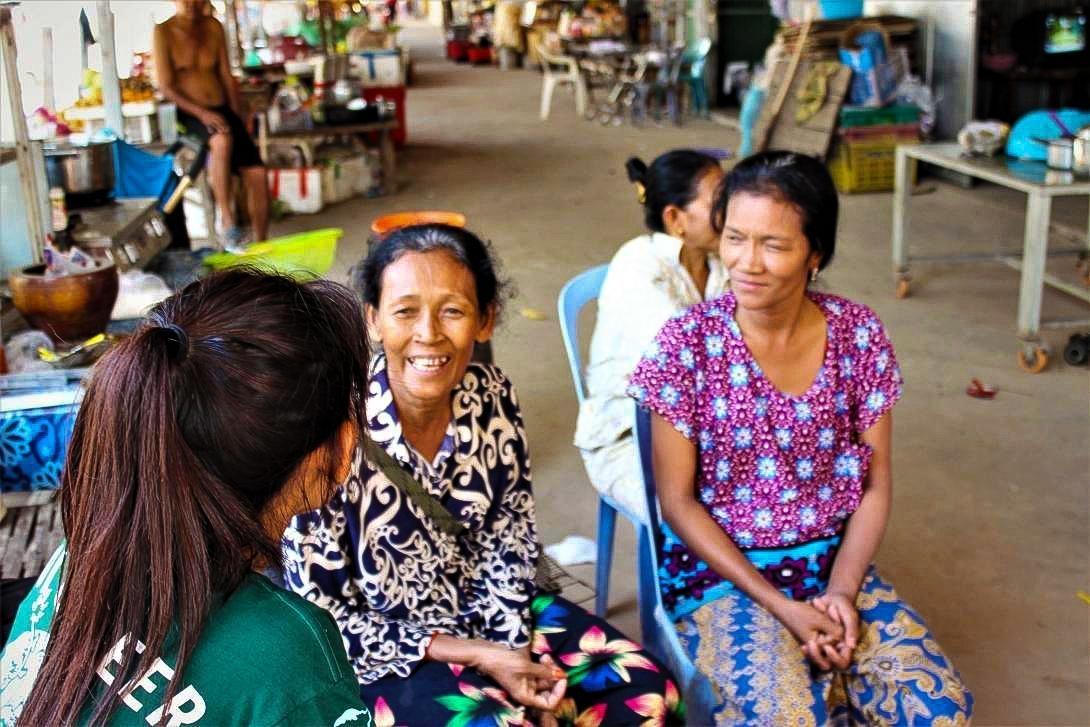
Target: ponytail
x,y
158,523
132,496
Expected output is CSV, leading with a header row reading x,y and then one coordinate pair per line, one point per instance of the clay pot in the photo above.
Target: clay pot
x,y
70,308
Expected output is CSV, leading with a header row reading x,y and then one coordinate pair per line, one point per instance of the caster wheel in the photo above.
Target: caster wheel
x,y
904,286
1033,363
1077,351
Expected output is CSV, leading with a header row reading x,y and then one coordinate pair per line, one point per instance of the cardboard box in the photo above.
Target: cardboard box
x,y
347,177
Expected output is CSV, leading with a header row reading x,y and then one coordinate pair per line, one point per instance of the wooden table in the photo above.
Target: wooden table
x,y
28,536
306,139
1040,184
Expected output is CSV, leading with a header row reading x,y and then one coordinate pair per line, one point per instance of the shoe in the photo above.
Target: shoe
x,y
235,240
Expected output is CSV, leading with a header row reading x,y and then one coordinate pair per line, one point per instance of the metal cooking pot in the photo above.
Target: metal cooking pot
x,y
1061,154
1081,150
80,169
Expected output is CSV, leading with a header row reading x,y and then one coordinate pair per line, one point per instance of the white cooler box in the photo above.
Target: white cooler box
x,y
378,67
307,190
300,190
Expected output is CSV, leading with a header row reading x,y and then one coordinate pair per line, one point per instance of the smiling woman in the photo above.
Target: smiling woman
x,y
427,311
426,556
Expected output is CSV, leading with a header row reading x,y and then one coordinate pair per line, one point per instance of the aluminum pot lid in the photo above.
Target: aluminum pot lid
x,y
67,146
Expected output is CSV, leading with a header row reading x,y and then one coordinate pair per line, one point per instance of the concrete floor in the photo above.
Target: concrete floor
x,y
989,535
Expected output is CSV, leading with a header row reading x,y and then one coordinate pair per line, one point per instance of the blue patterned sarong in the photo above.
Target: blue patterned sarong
x,y
898,676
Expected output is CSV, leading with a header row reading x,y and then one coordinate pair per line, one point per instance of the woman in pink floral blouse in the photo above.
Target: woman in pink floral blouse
x,y
772,435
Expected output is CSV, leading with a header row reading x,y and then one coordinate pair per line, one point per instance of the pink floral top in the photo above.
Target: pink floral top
x,y
775,470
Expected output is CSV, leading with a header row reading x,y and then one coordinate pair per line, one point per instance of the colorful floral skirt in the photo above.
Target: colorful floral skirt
x,y
898,674
611,681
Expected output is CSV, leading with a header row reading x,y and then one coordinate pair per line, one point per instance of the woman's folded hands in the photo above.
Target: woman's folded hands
x,y
537,685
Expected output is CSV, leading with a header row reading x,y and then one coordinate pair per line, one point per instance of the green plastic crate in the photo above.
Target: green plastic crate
x,y
852,116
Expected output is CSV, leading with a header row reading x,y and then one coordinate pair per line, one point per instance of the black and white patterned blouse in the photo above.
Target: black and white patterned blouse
x,y
390,577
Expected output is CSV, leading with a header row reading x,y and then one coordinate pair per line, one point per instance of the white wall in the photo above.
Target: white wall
x,y
133,22
952,26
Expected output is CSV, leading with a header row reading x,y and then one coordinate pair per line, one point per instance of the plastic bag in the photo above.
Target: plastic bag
x,y
22,351
912,91
138,291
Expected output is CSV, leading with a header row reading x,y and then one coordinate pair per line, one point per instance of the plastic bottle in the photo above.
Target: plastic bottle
x,y
58,208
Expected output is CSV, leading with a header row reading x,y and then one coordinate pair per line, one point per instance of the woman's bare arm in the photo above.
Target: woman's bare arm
x,y
867,524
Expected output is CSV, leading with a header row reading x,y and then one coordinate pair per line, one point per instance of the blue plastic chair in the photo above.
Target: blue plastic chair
x,y
659,634
575,294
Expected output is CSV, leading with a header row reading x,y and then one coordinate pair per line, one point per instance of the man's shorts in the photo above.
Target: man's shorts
x,y
244,152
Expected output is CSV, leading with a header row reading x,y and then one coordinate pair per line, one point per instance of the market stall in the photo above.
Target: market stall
x,y
93,203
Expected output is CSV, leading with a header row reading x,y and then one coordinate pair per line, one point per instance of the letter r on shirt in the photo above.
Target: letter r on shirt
x,y
186,708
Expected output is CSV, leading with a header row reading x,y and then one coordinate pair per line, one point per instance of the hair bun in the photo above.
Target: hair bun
x,y
636,169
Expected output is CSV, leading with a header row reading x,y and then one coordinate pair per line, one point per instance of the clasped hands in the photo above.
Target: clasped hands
x,y
539,686
827,626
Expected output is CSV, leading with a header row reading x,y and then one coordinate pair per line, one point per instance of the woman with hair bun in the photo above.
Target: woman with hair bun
x,y
651,278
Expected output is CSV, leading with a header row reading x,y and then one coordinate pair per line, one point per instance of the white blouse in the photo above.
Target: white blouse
x,y
644,287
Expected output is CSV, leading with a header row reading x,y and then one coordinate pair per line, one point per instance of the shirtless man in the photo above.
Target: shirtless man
x,y
190,51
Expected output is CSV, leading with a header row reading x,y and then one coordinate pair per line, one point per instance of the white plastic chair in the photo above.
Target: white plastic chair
x,y
560,69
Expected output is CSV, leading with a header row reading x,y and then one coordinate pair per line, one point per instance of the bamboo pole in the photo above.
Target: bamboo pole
x,y
234,44
31,176
111,86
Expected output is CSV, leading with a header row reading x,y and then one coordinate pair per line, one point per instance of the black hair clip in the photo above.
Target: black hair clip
x,y
177,341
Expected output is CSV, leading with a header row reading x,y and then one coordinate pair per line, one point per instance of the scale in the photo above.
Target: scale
x,y
130,232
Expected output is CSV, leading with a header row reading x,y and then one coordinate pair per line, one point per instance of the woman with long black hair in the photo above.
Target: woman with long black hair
x,y
235,406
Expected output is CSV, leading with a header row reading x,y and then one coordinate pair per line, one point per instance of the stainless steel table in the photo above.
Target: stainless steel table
x,y
1040,184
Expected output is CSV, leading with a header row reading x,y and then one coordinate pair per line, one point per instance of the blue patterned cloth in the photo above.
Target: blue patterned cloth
x,y
898,675
33,443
